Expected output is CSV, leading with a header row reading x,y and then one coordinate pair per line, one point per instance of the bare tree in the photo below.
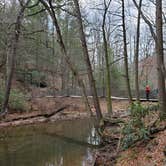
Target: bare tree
x,y
137,52
160,59
108,76
49,7
87,60
158,38
125,53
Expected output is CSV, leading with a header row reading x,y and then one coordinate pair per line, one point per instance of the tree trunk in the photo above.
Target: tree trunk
x,y
51,12
160,59
125,53
108,76
87,60
12,55
158,38
137,53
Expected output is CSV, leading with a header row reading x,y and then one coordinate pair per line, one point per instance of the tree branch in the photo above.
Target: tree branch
x,y
146,21
38,12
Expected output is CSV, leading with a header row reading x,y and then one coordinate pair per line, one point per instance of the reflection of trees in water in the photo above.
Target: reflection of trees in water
x,y
88,158
40,150
55,162
28,146
93,137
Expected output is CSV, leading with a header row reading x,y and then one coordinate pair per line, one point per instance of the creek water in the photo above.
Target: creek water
x,y
64,143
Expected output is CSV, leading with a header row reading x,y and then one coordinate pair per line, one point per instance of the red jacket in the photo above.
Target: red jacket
x,y
147,89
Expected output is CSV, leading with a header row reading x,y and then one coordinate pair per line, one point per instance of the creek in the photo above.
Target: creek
x,y
62,143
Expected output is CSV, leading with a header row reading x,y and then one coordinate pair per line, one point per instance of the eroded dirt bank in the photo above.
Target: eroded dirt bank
x,y
72,108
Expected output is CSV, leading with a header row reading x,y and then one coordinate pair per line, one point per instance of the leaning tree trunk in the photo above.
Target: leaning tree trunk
x,y
87,60
160,59
125,53
11,56
137,52
51,12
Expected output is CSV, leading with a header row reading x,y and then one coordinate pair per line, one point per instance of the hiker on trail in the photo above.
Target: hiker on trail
x,y
147,90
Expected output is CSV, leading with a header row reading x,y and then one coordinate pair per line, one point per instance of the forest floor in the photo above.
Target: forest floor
x,y
150,153
145,154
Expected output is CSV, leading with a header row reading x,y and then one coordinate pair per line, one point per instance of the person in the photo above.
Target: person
x,y
147,90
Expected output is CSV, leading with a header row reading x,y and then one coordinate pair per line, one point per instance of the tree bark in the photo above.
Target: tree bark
x,y
87,60
108,76
12,55
158,38
137,52
160,59
125,53
51,12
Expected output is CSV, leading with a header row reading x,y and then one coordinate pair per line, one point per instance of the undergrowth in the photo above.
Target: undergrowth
x,y
135,129
17,100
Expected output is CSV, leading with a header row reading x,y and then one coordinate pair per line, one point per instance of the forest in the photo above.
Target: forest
x,y
98,66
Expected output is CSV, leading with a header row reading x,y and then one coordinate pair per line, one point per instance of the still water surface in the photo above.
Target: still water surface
x,y
48,144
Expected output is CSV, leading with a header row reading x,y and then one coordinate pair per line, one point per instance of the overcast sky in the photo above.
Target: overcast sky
x,y
131,14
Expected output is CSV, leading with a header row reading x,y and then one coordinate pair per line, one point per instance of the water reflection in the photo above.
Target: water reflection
x,y
57,144
93,137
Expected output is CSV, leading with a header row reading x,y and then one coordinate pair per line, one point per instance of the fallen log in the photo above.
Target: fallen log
x,y
46,115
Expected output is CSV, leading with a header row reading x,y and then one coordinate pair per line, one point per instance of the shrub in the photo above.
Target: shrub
x,y
16,101
135,128
37,77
